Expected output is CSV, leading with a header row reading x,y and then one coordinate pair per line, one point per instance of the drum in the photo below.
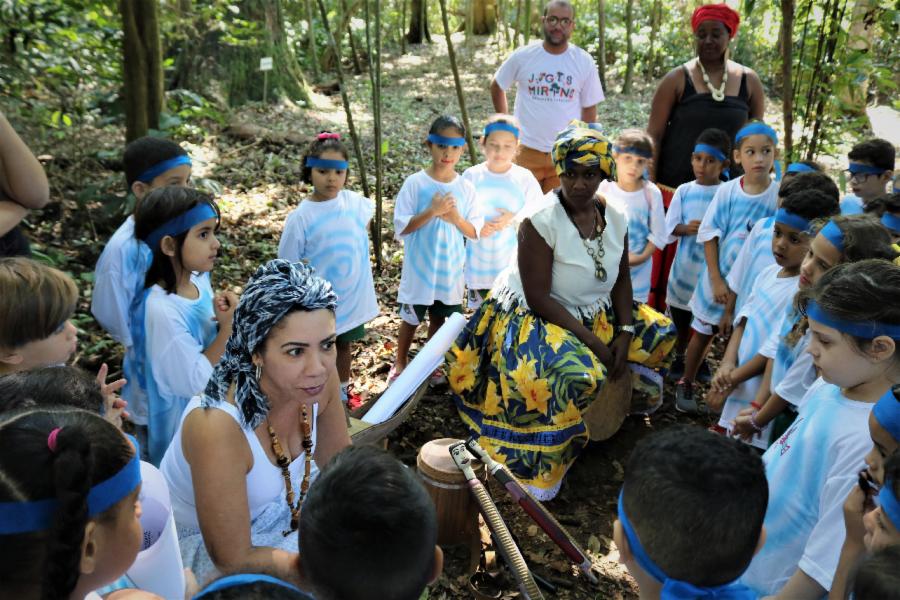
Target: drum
x,y
457,511
605,415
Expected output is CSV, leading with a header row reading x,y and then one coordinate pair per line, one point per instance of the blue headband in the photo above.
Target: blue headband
x,y
236,580
887,413
324,163
674,589
632,150
500,126
859,168
446,141
799,168
862,329
159,168
891,221
711,150
790,219
887,500
834,235
181,223
756,129
38,515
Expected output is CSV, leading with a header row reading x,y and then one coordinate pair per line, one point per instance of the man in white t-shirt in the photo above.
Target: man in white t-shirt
x,y
556,82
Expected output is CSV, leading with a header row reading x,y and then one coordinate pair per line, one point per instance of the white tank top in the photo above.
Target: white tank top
x,y
265,483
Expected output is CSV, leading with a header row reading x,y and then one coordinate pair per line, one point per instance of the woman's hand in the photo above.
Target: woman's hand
x,y
602,352
619,347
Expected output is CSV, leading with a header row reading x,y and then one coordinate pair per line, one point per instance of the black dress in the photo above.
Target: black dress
x,y
694,113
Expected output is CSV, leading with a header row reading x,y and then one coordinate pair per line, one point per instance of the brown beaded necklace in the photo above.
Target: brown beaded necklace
x,y
284,461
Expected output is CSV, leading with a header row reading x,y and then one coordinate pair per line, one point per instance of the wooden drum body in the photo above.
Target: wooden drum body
x,y
457,511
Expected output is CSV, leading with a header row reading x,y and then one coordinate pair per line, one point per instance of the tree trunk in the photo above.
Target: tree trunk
x,y
655,19
629,60
518,23
859,40
244,79
142,67
375,80
484,16
354,51
402,24
527,21
460,96
418,23
311,41
601,41
787,92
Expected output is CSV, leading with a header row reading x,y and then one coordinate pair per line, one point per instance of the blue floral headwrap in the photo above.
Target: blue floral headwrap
x,y
277,288
583,144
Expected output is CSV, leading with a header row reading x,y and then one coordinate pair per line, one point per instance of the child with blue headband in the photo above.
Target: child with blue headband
x,y
330,231
739,376
178,326
435,212
872,511
690,515
69,507
855,325
251,586
789,370
506,193
149,163
709,161
870,169
641,201
736,207
887,209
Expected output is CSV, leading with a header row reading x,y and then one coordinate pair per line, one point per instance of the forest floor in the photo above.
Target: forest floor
x,y
258,184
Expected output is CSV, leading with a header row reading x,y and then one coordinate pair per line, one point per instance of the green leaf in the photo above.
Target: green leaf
x,y
385,146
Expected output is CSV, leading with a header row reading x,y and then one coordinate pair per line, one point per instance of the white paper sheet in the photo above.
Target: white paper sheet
x,y
158,566
419,368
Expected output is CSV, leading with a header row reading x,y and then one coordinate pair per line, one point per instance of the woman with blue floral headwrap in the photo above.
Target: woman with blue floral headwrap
x,y
556,324
241,461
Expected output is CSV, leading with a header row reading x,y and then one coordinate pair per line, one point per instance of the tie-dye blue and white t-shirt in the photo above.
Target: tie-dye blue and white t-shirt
x,y
646,223
755,255
793,371
729,218
516,191
333,236
851,204
765,305
688,204
810,470
434,255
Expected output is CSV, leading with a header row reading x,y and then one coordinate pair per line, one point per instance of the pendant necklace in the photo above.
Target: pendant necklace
x,y
718,94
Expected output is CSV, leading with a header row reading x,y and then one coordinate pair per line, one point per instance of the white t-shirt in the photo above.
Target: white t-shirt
x,y
646,223
810,470
118,279
551,90
333,237
766,303
517,191
793,371
754,256
573,275
689,203
434,255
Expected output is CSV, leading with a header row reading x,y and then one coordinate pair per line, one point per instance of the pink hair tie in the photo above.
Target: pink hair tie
x,y
328,136
51,439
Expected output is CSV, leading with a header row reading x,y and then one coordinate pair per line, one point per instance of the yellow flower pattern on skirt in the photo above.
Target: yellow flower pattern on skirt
x,y
520,384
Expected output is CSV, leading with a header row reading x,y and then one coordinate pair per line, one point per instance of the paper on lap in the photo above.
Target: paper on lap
x,y
158,566
419,368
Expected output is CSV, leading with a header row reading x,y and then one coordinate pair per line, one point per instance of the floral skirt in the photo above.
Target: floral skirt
x,y
521,384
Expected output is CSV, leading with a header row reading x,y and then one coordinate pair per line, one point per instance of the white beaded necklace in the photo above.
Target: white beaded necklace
x,y
717,94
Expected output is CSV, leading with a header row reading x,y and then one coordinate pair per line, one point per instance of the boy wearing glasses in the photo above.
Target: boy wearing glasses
x,y
871,168
556,82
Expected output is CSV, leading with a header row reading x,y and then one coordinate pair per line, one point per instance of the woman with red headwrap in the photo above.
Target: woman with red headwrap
x,y
706,91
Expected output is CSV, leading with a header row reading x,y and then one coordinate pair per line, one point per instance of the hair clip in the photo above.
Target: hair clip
x,y
327,135
51,439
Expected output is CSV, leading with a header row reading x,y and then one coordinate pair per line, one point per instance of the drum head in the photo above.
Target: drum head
x,y
607,412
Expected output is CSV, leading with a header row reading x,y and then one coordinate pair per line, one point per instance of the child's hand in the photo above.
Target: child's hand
x,y
742,428
726,323
722,380
224,305
635,259
113,406
715,400
191,587
488,230
720,291
692,227
854,509
441,204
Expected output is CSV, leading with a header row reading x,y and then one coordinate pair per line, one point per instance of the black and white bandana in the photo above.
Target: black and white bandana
x,y
277,288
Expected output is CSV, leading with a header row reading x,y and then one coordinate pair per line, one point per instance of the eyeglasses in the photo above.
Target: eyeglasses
x,y
554,21
861,177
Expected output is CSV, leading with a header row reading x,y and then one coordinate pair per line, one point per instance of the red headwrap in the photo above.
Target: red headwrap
x,y
716,12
